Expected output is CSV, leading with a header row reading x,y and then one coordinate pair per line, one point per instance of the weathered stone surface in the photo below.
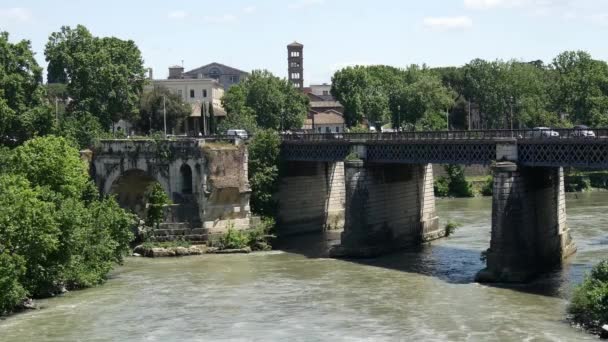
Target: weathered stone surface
x,y
388,207
231,251
529,230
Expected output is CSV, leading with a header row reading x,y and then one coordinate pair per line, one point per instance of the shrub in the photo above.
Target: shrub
x,y
451,227
458,185
488,187
12,269
156,199
259,236
589,304
441,187
233,239
576,183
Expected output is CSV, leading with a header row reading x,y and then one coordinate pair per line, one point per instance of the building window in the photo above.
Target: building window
x,y
295,75
295,64
337,129
325,92
295,54
319,128
327,130
191,93
186,178
215,73
234,78
204,92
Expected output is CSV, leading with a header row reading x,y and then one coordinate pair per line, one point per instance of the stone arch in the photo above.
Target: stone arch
x,y
130,189
185,173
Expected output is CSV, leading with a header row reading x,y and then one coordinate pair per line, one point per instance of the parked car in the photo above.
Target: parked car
x,y
541,132
241,133
583,131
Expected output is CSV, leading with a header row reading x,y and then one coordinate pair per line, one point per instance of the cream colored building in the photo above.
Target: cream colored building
x,y
199,92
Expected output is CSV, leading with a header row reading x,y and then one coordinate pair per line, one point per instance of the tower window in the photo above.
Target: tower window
x,y
191,93
295,54
295,75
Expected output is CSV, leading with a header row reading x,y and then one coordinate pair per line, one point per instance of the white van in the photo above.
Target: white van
x,y
241,133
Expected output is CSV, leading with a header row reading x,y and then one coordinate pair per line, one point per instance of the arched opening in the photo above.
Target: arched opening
x,y
131,190
186,179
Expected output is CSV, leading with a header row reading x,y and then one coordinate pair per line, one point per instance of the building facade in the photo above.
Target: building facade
x,y
223,74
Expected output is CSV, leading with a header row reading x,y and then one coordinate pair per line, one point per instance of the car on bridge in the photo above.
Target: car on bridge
x,y
541,132
583,131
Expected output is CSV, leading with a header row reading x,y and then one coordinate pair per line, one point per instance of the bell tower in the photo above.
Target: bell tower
x,y
295,64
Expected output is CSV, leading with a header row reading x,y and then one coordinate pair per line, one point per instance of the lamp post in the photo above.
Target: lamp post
x,y
398,118
165,115
511,115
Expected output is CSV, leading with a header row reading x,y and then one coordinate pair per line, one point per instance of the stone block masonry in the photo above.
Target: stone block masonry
x,y
388,207
311,197
529,230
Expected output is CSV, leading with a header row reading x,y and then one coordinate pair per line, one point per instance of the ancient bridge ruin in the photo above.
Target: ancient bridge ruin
x,y
206,179
379,187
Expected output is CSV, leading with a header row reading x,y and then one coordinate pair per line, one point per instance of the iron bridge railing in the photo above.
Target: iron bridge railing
x,y
519,134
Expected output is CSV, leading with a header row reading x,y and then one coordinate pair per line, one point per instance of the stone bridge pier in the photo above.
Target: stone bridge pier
x,y
529,229
388,207
311,197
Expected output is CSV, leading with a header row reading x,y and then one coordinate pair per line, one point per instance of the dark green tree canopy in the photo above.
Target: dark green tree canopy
x,y
104,76
24,112
267,101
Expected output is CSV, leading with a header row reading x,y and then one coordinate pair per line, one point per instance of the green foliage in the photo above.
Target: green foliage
x,y
454,184
442,187
266,101
234,239
104,76
459,186
24,112
352,156
589,303
358,129
385,94
264,150
212,120
451,227
151,110
54,229
166,244
257,238
576,183
488,187
156,199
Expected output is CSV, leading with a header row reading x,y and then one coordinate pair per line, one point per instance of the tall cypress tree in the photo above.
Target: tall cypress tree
x,y
212,124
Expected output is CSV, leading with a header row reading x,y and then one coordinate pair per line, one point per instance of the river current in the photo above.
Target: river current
x,y
297,294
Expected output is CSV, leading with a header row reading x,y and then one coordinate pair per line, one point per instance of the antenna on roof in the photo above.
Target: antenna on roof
x,y
182,63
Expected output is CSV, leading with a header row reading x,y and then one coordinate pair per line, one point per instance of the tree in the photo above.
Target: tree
x,y
54,230
264,150
212,123
24,112
267,100
104,76
580,88
151,110
156,198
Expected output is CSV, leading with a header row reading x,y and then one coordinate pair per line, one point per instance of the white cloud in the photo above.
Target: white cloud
x,y
177,14
15,14
305,3
448,23
249,9
600,19
222,19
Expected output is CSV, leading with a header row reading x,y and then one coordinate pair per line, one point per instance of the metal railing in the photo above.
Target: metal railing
x,y
519,134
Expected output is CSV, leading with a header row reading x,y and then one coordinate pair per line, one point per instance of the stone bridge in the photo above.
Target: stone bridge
x,y
379,187
206,180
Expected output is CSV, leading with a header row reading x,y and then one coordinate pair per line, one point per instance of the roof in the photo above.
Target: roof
x,y
295,44
325,104
196,110
215,64
176,67
329,117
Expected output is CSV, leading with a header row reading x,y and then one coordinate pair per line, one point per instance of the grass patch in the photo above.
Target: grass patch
x,y
450,227
166,244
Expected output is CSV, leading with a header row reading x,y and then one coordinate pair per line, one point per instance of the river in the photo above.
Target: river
x,y
296,294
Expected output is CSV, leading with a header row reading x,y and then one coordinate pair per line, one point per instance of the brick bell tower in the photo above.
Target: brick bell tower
x,y
295,64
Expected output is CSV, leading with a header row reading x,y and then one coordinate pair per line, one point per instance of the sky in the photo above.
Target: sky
x,y
253,34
